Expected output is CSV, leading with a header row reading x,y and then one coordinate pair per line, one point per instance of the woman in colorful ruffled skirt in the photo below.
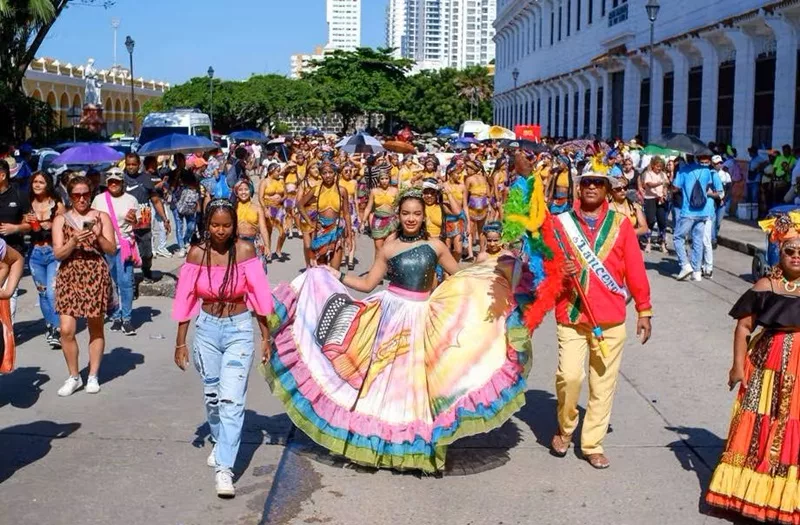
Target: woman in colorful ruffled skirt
x,y
758,473
390,381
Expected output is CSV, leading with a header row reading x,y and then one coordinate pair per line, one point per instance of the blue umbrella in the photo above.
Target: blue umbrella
x,y
250,134
177,143
312,131
88,155
445,131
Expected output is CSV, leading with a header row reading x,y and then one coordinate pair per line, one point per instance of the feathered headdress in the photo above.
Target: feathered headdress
x,y
782,227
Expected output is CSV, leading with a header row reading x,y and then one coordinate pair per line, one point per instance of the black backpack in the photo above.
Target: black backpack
x,y
698,197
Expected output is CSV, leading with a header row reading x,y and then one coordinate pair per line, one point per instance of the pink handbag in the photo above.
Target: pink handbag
x,y
129,250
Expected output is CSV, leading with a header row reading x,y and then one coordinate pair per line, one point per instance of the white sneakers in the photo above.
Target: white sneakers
x,y
92,385
212,458
697,276
224,483
685,272
71,385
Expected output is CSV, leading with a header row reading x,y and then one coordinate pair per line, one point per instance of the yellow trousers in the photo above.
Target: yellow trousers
x,y
574,342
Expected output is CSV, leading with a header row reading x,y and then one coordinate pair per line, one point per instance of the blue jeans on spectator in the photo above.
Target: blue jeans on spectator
x,y
179,228
191,226
43,265
697,226
752,191
159,232
122,276
720,212
222,354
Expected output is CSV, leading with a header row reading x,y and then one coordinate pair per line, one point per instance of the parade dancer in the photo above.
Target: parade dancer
x,y
348,182
604,253
392,380
454,191
380,213
221,280
251,221
478,190
291,180
273,196
331,223
758,474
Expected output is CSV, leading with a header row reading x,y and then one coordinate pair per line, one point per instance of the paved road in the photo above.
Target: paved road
x,y
136,452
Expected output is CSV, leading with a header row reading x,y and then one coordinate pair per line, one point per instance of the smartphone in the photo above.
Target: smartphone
x,y
88,225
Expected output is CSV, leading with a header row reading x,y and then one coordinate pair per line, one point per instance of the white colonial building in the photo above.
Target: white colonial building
x,y
725,70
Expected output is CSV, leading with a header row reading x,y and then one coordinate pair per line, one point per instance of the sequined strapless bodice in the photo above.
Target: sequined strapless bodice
x,y
413,269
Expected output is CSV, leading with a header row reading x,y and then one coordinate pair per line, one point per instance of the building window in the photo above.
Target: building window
x,y
727,83
569,17
695,101
602,8
587,110
618,15
578,16
666,107
552,27
533,28
644,110
560,12
599,128
550,115
575,113
539,109
554,129
590,8
764,101
541,32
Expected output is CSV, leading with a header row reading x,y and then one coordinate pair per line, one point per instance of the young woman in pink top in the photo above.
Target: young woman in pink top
x,y
221,283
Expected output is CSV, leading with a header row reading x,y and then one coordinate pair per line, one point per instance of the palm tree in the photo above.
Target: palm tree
x,y
475,85
39,10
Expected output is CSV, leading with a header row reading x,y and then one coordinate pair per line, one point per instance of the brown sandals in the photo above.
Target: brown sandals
x,y
560,445
598,461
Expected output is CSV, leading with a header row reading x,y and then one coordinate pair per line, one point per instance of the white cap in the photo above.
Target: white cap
x,y
716,159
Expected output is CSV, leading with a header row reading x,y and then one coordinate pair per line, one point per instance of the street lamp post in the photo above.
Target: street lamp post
x,y
515,75
74,115
211,87
129,44
652,8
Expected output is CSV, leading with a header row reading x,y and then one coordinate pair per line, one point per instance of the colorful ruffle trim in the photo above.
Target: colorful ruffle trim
x,y
755,495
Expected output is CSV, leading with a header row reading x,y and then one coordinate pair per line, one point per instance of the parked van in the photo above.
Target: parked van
x,y
185,121
471,128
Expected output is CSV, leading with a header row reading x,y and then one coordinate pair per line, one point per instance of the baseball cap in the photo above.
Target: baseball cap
x,y
716,159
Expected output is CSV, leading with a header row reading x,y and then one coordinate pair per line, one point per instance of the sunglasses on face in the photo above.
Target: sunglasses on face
x,y
586,182
82,195
791,251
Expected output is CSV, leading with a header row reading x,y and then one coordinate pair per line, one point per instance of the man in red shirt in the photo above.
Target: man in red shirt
x,y
606,258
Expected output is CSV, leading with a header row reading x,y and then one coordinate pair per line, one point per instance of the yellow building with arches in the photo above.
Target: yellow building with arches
x,y
62,86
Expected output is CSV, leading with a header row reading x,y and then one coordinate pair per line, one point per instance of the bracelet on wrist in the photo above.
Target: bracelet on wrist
x,y
341,277
180,346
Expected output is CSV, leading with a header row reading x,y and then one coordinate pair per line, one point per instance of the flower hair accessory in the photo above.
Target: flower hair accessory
x,y
782,227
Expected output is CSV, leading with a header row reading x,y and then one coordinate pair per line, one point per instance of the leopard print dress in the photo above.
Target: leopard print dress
x,y
83,282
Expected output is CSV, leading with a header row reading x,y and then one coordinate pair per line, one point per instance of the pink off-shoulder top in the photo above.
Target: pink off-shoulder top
x,y
249,283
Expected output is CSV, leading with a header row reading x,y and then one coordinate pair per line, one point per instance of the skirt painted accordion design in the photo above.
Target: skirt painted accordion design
x,y
390,381
758,475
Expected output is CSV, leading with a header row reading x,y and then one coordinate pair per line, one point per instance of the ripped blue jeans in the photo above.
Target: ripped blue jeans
x,y
223,352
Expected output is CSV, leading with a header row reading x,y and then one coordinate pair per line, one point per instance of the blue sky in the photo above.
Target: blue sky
x,y
179,39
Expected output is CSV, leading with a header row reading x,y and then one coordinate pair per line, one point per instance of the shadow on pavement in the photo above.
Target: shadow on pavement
x,y
25,444
666,266
143,315
116,364
687,451
539,413
22,387
24,331
257,430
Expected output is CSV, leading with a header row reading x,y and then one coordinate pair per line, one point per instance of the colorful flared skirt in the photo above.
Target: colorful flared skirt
x,y
757,475
276,215
289,203
327,237
453,225
306,227
362,195
478,207
355,222
390,381
384,223
261,250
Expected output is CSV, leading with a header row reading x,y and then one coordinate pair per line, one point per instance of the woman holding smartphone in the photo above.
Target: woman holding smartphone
x,y
81,239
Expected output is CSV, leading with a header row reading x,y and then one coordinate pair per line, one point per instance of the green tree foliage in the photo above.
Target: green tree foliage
x,y
24,24
445,97
366,80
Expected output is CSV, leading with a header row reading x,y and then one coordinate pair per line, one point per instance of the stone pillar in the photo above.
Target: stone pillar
x,y
606,124
744,91
631,100
593,83
580,82
656,100
680,96
710,102
785,78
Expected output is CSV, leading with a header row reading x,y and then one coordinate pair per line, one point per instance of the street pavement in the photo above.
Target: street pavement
x,y
135,453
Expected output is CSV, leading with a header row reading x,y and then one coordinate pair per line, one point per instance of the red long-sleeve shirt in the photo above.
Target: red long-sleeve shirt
x,y
619,251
